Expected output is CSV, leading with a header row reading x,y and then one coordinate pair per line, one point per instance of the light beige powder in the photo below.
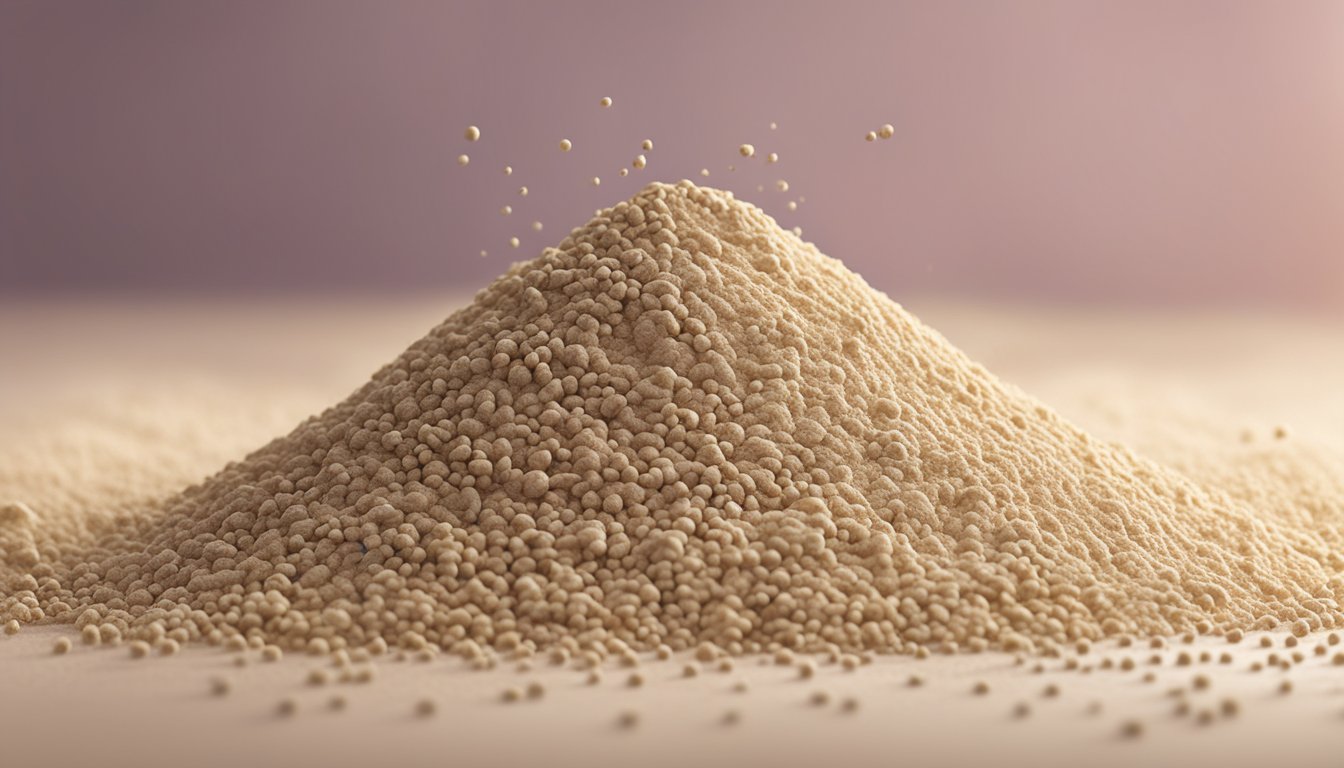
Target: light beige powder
x,y
681,426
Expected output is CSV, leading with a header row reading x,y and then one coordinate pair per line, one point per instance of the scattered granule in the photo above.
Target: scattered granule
x,y
425,708
1286,687
1332,638
1183,659
732,717
512,694
167,647
235,644
914,681
1182,709
1051,691
1233,635
1257,666
89,635
807,669
725,665
849,704
12,627
109,635
1131,729
220,686
1126,664
1205,657
61,646
362,675
535,690
1226,658
594,677
287,707
1266,641
1200,682
139,649
1290,641
635,680
1188,638
1320,650
627,720
472,133
318,677
921,652
240,661
1157,643
1021,710
1149,677
1338,659
272,653
740,687
336,703
784,657
1094,708
819,698
1204,717
980,688
663,652
689,671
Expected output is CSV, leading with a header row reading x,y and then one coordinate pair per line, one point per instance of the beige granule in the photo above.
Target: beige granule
x,y
682,425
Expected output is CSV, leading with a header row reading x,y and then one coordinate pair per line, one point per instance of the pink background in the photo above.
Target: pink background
x,y
1136,152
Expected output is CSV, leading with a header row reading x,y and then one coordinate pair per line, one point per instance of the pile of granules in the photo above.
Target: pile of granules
x,y
682,426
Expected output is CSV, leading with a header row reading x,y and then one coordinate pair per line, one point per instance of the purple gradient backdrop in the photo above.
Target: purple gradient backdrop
x,y
1150,152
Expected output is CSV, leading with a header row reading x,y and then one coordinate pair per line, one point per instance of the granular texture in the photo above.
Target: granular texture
x,y
681,426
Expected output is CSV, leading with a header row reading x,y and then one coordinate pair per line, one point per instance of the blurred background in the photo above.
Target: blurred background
x,y
1137,153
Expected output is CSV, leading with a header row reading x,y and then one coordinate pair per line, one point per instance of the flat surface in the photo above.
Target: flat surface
x,y
137,400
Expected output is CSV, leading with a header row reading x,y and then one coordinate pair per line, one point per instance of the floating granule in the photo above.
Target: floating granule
x,y
463,159
605,101
746,150
473,133
566,145
886,131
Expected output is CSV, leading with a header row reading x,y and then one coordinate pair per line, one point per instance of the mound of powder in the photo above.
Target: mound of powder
x,y
682,425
